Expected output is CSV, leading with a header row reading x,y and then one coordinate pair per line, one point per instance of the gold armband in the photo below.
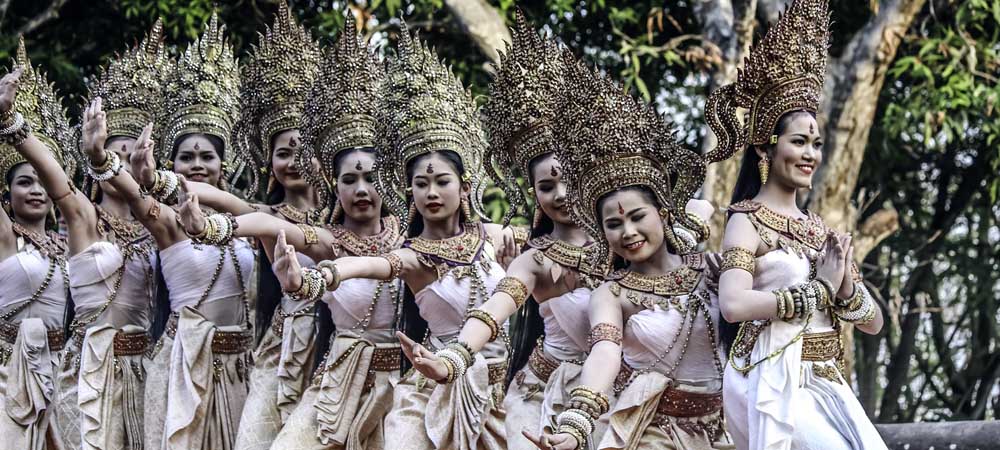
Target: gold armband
x,y
488,319
514,288
605,332
738,258
309,233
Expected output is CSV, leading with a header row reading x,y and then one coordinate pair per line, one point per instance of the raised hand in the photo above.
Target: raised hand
x,y
847,285
286,265
508,249
425,361
831,266
94,131
546,441
191,216
8,90
142,159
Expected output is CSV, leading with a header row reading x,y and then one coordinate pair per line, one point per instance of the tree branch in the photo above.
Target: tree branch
x,y
41,18
4,5
483,24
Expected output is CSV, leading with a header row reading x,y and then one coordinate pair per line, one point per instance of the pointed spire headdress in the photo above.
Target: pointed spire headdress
x,y
202,94
340,108
424,109
783,73
609,140
43,111
518,116
275,81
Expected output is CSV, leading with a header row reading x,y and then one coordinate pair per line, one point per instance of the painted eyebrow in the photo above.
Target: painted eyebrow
x,y
634,211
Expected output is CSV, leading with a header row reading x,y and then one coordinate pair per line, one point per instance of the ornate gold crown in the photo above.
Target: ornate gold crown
x,y
783,73
609,140
518,116
274,86
202,93
424,109
340,109
42,109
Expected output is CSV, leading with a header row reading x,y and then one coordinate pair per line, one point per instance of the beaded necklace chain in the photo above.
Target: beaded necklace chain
x,y
49,247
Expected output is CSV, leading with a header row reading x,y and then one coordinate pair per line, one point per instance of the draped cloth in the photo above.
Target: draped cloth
x,y
631,425
28,389
346,405
280,375
781,404
201,392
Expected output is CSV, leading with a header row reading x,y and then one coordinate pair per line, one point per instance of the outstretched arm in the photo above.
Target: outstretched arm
x,y
219,199
156,217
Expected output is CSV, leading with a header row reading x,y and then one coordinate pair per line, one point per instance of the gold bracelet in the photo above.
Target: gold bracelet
x,y
704,232
488,319
334,274
395,265
605,332
738,258
780,303
513,287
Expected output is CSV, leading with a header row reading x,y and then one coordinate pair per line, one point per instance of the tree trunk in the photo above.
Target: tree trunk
x,y
729,25
483,23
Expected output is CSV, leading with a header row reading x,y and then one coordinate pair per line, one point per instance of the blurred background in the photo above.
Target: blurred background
x,y
909,119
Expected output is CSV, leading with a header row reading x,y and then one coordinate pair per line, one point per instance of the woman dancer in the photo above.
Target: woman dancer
x,y
629,178
432,151
346,403
785,274
32,261
273,89
558,269
196,380
111,266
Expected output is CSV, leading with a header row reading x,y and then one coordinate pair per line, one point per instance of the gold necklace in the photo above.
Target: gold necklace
x,y
49,245
296,215
381,243
462,249
811,232
583,260
665,288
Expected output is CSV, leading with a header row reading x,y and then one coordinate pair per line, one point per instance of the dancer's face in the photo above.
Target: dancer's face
x,y
632,224
437,188
798,152
550,190
356,187
28,198
198,159
123,147
284,147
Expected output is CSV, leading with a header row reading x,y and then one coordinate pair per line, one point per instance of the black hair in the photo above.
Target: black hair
x,y
410,321
527,323
216,141
747,187
51,222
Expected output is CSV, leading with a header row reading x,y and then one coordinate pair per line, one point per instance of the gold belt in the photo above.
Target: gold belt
x,y
131,343
541,365
224,342
623,378
677,403
498,372
56,336
385,359
821,346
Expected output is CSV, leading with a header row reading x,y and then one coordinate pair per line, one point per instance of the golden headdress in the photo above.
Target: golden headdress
x,y
340,108
783,73
202,93
42,109
275,82
518,116
131,86
609,140
424,109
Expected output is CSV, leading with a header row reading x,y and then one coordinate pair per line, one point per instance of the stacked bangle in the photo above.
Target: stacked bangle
x,y
704,232
311,289
800,300
457,357
108,169
583,395
330,268
488,319
165,185
15,132
219,229
861,309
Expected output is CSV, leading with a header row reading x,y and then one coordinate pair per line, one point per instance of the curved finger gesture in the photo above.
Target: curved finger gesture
x,y
142,159
423,360
286,265
94,131
546,441
8,90
191,216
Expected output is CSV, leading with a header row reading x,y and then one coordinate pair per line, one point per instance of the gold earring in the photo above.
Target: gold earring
x,y
466,210
338,211
537,220
764,166
411,215
270,184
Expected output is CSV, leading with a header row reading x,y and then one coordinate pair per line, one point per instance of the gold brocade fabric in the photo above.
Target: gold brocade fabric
x,y
28,389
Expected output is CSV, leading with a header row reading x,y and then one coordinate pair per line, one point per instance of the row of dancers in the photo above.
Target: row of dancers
x,y
292,253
